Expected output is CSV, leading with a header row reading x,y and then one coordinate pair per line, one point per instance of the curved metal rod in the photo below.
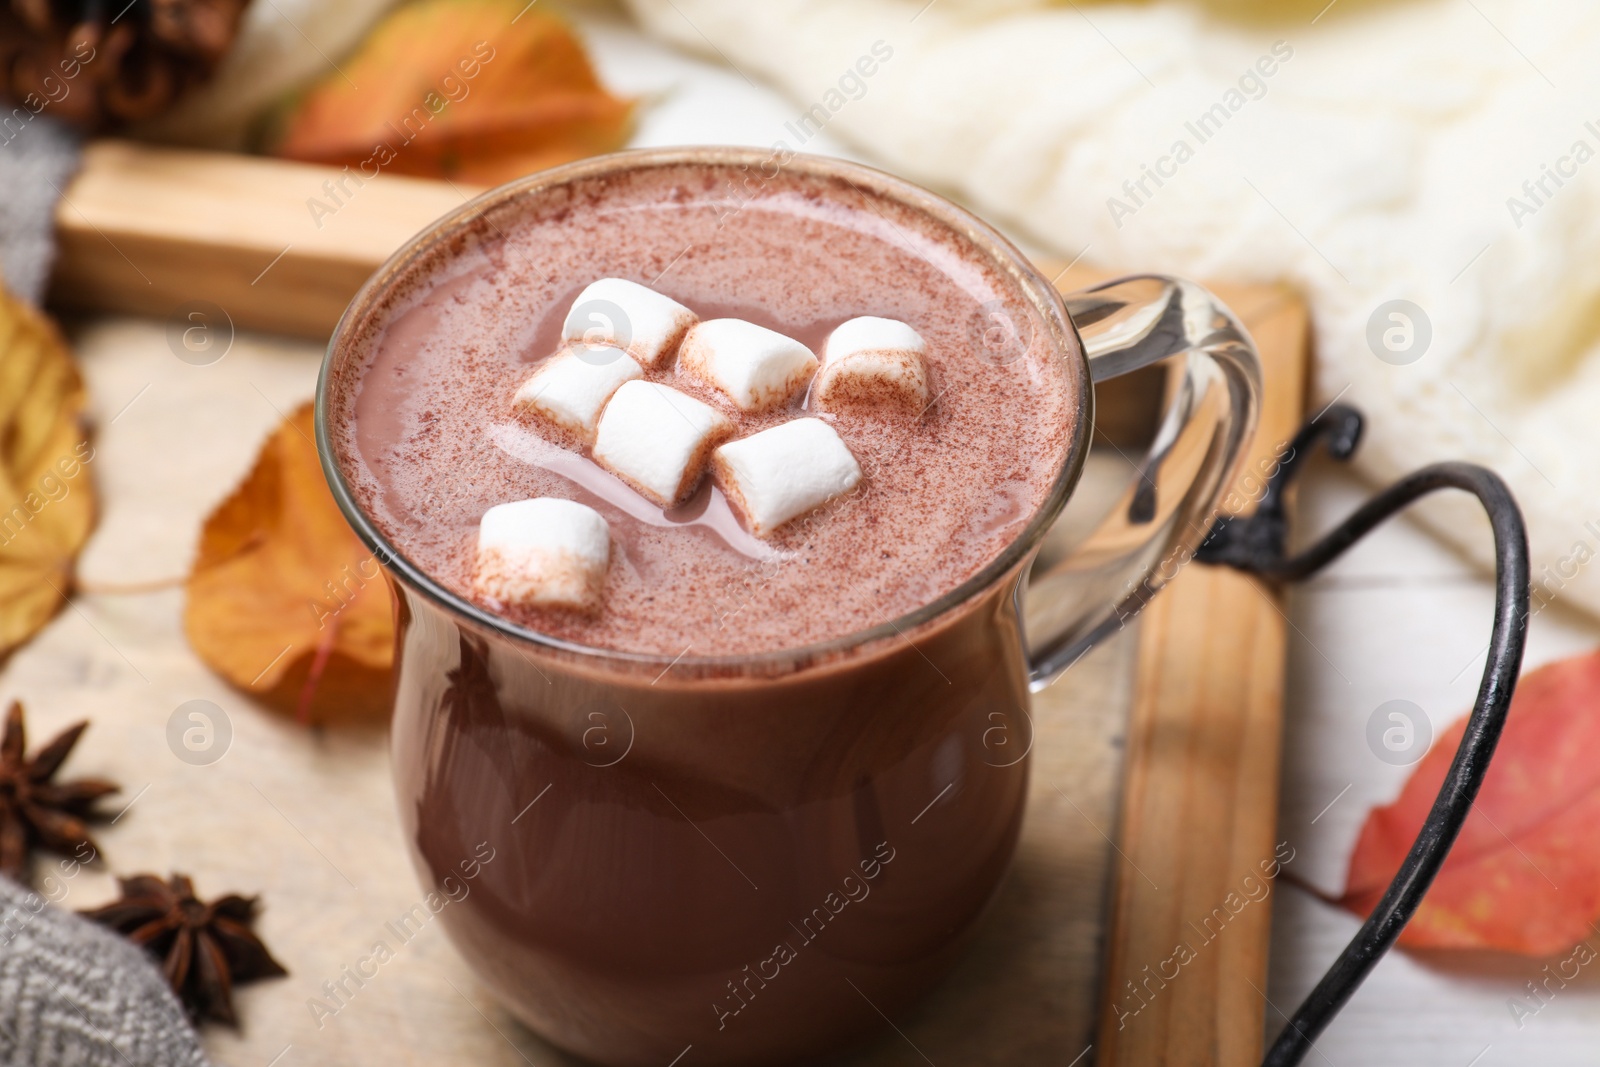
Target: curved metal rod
x,y
1465,777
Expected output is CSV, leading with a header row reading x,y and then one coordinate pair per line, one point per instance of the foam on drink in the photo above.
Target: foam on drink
x,y
430,437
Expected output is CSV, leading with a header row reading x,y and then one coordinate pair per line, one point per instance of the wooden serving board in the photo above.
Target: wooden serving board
x,y
1155,779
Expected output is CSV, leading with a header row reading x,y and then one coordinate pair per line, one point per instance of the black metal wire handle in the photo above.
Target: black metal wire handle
x,y
1257,545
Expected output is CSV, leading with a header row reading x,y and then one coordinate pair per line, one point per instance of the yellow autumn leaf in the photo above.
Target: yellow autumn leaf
x,y
478,90
47,502
284,600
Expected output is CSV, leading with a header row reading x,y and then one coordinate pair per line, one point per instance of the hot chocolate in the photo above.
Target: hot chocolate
x,y
431,436
738,848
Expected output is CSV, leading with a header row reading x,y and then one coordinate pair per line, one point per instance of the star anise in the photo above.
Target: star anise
x,y
205,949
36,812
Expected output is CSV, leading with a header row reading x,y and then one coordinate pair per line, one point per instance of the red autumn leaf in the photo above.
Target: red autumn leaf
x,y
1524,875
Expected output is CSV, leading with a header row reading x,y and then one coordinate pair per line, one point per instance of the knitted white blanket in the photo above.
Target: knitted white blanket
x,y
1437,152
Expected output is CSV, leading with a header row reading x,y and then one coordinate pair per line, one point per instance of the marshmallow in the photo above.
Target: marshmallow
x,y
543,553
779,474
753,366
623,314
569,390
658,440
872,362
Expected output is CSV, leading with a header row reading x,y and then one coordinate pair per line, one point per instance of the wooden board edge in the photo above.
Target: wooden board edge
x,y
1187,931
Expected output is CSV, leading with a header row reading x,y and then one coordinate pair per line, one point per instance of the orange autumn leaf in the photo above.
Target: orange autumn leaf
x,y
1524,875
478,90
47,502
284,600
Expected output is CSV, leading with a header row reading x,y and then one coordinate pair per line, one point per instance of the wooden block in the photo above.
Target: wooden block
x,y
279,246
1200,787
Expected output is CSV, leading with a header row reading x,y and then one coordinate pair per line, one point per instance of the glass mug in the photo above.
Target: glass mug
x,y
760,857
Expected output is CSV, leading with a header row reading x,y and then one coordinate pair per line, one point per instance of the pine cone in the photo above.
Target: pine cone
x,y
100,63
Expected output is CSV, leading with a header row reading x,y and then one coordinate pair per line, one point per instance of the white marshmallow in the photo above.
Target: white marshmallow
x,y
569,390
658,440
543,553
782,473
753,366
627,315
872,362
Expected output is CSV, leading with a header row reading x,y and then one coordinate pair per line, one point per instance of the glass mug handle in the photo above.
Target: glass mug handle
x,y
1126,325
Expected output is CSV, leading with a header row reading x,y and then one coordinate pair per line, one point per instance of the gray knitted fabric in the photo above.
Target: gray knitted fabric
x,y
73,994
38,156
